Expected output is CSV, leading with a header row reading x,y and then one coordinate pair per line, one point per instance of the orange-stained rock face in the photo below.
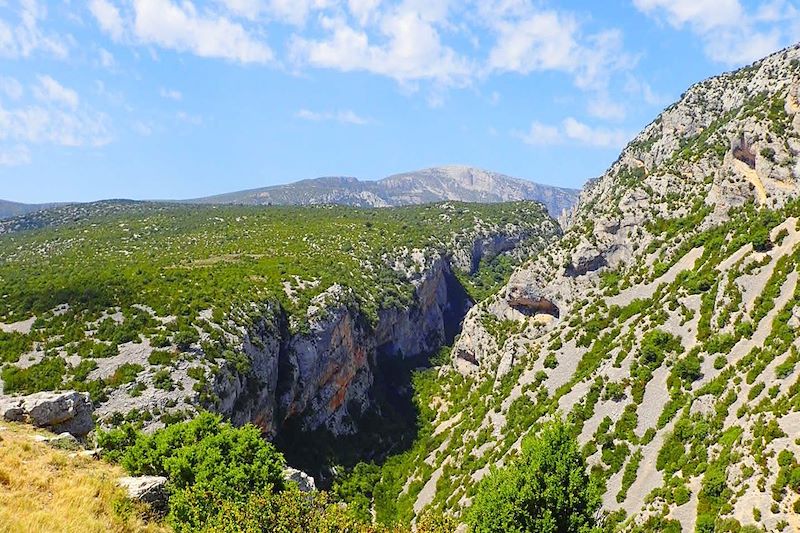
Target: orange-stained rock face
x,y
344,378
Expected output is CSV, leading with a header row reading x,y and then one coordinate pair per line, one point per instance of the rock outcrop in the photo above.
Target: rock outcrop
x,y
147,489
304,482
59,412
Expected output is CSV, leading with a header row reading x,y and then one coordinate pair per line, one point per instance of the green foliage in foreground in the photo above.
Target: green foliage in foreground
x,y
208,463
546,489
228,479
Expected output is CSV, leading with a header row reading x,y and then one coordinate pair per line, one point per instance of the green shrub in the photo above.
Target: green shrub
x,y
48,374
13,345
209,464
125,373
160,357
162,380
545,490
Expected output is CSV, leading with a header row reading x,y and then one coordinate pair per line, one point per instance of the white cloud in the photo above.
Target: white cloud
x,y
572,131
183,28
25,38
47,125
345,117
407,48
14,156
534,41
249,9
736,48
601,137
11,88
701,14
49,90
171,94
296,11
108,16
541,135
60,119
364,11
635,86
731,33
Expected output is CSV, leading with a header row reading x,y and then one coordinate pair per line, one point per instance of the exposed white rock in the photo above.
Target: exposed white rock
x,y
146,489
59,412
304,482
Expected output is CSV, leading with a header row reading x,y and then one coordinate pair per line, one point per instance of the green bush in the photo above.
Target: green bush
x,y
209,464
545,490
48,374
160,357
13,345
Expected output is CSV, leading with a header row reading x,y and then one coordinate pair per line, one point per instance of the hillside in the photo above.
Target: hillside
x,y
14,209
454,183
663,324
158,310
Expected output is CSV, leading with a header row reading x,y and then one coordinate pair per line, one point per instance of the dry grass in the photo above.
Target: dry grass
x,y
45,490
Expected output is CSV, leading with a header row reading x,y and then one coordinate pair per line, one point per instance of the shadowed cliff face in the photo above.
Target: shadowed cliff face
x,y
343,373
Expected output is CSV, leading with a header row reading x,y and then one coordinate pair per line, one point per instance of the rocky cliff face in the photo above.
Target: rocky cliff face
x,y
662,325
323,377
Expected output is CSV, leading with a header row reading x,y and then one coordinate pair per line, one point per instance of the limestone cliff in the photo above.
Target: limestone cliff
x,y
662,324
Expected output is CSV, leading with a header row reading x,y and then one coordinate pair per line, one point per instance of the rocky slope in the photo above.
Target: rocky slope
x,y
663,325
456,183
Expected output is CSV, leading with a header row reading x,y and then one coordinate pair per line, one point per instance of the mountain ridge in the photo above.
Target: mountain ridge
x,y
459,183
429,185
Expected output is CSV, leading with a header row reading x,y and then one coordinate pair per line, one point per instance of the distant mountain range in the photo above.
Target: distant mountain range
x,y
457,183
14,209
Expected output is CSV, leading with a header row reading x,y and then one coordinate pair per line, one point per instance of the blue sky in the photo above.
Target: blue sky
x,y
179,98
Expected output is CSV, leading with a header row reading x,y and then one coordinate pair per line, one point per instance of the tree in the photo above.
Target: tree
x,y
545,490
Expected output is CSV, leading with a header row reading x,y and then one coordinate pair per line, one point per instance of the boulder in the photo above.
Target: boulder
x,y
304,481
62,441
59,412
147,489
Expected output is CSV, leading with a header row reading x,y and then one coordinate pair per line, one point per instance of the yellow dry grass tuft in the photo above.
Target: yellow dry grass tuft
x,y
43,489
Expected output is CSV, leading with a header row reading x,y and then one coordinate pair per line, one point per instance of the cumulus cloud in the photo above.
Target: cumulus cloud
x,y
345,117
603,107
573,131
731,33
183,27
541,135
404,46
528,41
